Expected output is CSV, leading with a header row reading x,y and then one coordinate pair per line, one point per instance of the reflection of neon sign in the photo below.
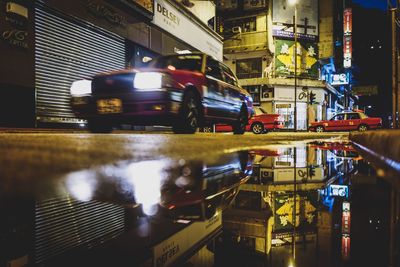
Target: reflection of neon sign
x,y
345,247
346,218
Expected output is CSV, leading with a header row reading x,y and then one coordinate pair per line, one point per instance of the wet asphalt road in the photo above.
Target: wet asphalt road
x,y
45,155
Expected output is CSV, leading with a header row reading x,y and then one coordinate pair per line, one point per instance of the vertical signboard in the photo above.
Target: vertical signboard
x,y
347,21
346,218
347,38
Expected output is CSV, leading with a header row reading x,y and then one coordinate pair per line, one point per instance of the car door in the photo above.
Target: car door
x,y
352,121
232,92
336,123
214,99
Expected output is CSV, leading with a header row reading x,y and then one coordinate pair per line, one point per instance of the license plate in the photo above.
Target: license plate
x,y
106,106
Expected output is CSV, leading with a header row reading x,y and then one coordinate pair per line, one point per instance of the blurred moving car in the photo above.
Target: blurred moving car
x,y
347,121
182,91
261,122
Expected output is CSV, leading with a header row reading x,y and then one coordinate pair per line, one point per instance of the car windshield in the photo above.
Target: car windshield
x,y
179,62
363,116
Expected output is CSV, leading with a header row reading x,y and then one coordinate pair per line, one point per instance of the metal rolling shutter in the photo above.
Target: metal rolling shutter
x,y
66,51
63,224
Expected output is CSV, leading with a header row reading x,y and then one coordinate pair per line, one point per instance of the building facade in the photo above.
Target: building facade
x,y
259,46
48,44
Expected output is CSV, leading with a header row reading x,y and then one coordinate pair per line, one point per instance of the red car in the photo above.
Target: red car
x,y
261,122
347,121
183,91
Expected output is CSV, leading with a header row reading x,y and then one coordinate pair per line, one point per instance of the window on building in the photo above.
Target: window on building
x,y
254,91
245,24
249,68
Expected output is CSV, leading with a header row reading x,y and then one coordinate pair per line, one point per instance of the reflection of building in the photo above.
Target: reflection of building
x,y
259,47
47,45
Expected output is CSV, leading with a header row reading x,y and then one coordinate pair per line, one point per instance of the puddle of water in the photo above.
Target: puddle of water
x,y
242,208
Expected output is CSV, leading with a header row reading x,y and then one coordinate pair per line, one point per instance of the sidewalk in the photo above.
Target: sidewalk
x,y
384,145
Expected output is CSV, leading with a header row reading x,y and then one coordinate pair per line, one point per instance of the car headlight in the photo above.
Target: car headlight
x,y
81,87
151,81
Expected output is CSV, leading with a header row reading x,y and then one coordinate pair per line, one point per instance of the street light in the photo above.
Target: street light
x,y
294,3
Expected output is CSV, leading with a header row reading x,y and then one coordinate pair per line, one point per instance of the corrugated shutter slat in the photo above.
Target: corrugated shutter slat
x,y
66,52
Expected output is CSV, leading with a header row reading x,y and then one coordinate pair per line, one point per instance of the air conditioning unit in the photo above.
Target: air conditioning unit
x,y
237,29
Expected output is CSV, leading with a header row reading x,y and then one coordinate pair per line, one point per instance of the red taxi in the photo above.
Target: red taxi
x,y
183,91
347,121
261,122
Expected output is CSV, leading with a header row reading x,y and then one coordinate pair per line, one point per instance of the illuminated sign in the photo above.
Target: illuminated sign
x,y
345,206
345,247
338,190
346,222
347,40
347,21
339,79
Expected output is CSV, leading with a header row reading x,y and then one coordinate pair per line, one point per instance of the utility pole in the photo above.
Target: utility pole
x,y
295,65
395,95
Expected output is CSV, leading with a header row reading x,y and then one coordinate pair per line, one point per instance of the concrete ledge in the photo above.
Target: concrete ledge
x,y
384,144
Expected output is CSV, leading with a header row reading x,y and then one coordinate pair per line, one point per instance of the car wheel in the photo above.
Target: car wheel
x,y
257,128
240,126
99,126
362,128
319,129
189,115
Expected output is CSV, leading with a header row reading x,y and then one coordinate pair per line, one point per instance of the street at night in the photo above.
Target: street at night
x,y
200,133
125,199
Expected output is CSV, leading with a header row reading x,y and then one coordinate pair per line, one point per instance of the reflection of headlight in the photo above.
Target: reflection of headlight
x,y
81,87
148,80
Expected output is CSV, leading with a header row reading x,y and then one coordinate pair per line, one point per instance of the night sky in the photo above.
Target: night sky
x,y
380,4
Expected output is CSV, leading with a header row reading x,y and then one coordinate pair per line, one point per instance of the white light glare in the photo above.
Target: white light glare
x,y
292,2
81,87
147,80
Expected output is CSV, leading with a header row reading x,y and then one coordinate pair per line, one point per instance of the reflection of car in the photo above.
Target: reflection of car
x,y
340,150
207,188
261,122
347,121
182,91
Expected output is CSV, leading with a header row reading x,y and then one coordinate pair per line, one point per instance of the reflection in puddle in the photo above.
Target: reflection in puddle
x,y
239,209
322,196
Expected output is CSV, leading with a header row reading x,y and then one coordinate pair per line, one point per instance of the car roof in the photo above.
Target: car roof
x,y
347,112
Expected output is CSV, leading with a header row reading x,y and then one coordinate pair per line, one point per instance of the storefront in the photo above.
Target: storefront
x,y
280,100
49,44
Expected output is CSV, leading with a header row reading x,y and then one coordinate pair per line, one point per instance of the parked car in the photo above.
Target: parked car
x,y
347,121
261,122
182,91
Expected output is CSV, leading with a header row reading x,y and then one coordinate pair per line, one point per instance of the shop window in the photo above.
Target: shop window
x,y
249,68
245,24
254,91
